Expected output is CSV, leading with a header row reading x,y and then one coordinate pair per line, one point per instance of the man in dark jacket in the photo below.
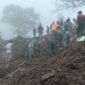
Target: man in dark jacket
x,y
48,29
40,30
81,24
67,31
34,32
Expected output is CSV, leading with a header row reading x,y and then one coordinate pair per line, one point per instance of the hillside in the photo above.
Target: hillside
x,y
66,68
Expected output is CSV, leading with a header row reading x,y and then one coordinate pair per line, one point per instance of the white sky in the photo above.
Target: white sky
x,y
44,7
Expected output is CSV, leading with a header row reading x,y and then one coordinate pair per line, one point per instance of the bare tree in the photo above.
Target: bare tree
x,y
24,19
62,5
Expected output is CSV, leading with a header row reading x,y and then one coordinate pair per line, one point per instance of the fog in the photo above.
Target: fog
x,y
44,7
41,6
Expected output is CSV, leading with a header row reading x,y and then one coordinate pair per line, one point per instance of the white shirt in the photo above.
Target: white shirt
x,y
8,47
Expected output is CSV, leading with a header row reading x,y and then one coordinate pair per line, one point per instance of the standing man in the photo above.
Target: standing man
x,y
74,28
31,51
54,26
8,48
47,30
40,30
81,24
53,43
67,31
34,32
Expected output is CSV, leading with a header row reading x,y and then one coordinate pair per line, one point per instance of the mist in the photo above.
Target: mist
x,y
40,6
43,7
42,42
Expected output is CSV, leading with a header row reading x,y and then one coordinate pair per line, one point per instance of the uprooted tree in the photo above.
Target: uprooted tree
x,y
24,19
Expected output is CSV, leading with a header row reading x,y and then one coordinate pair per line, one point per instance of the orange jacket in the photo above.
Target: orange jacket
x,y
54,27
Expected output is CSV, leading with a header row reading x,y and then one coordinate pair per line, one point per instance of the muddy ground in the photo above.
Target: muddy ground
x,y
66,68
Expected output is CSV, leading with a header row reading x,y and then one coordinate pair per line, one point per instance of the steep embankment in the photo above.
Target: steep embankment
x,y
67,68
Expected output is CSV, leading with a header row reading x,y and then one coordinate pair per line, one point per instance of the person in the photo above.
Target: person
x,y
40,30
68,25
30,50
53,37
74,23
74,29
1,44
8,48
47,30
81,23
54,26
67,31
34,32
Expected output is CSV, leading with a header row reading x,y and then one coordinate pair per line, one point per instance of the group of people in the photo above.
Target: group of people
x,y
40,31
78,25
59,34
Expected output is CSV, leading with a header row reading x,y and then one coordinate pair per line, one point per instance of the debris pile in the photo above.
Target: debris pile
x,y
66,68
